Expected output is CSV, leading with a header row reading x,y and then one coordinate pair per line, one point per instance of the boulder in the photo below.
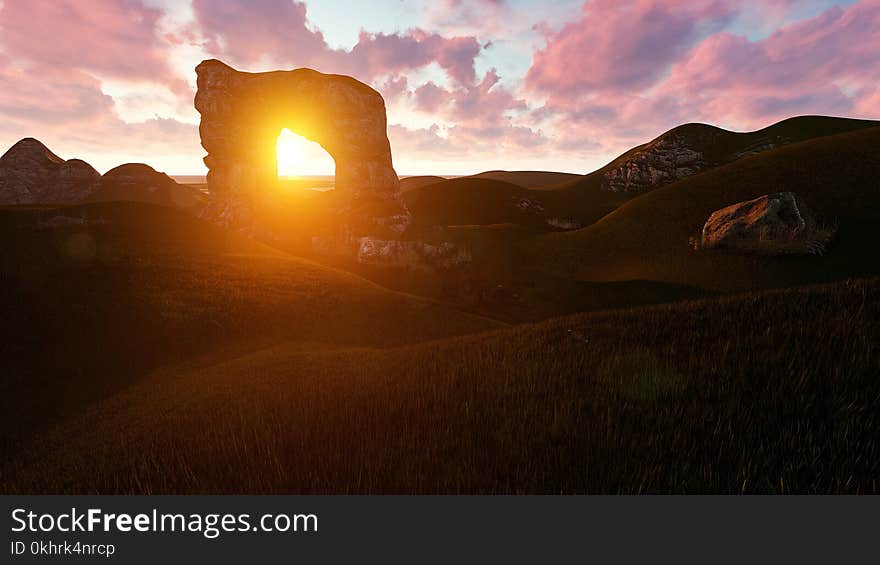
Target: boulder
x,y
772,218
32,174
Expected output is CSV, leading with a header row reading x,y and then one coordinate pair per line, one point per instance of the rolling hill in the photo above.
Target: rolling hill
x,y
691,148
137,182
409,183
528,179
647,238
682,152
677,399
30,173
96,296
580,200
480,201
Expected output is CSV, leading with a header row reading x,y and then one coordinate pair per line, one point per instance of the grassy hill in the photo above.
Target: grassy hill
x,y
480,201
589,198
409,183
725,396
647,238
137,182
486,198
528,179
95,300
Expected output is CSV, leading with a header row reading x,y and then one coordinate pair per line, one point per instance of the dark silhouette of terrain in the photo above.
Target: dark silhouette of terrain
x,y
147,351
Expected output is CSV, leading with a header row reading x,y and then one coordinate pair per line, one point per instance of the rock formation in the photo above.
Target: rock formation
x,y
660,162
242,115
682,152
31,174
393,253
766,221
137,182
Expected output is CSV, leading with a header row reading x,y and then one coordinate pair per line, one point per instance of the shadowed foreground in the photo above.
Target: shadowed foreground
x,y
774,392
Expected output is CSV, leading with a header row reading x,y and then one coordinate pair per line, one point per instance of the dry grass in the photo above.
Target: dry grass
x,y
767,393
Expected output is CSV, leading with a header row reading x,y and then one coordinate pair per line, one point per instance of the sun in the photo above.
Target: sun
x,y
289,151
298,156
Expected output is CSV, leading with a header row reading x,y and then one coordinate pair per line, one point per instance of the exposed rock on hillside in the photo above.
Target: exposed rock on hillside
x,y
660,162
394,253
773,223
564,223
31,174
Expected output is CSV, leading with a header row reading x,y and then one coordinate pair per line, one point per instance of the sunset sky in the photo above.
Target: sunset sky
x,y
469,85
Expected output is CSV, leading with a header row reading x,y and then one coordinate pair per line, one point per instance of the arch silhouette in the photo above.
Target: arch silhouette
x,y
243,113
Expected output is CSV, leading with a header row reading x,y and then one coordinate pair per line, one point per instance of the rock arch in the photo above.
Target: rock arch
x,y
242,115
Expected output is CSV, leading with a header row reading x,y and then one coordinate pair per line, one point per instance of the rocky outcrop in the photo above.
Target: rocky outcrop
x,y
665,160
395,253
682,152
768,222
53,222
137,182
242,115
31,174
565,224
759,146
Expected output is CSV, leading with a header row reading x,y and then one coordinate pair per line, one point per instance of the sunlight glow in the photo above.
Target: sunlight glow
x,y
298,156
289,152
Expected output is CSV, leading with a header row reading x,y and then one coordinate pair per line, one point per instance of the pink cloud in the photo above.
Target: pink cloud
x,y
278,31
486,102
479,118
113,38
419,141
827,64
60,96
66,109
622,44
394,88
248,31
469,15
429,97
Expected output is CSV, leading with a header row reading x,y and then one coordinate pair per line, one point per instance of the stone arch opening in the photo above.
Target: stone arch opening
x,y
298,158
242,115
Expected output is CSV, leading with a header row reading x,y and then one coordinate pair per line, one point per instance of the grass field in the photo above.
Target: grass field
x,y
770,393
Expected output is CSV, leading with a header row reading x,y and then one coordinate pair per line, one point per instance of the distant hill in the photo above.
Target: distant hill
x,y
647,237
686,151
691,148
137,182
409,183
30,174
469,200
528,179
569,200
